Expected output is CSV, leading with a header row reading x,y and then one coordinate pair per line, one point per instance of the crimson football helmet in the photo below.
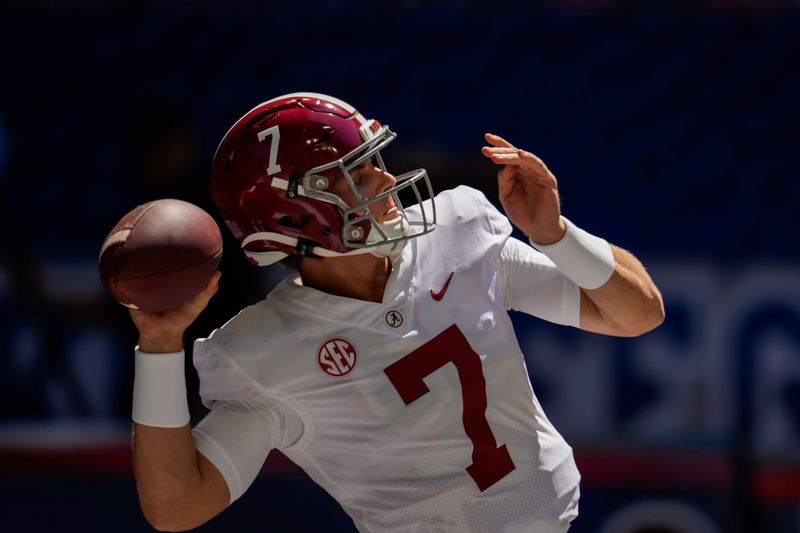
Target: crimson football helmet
x,y
273,174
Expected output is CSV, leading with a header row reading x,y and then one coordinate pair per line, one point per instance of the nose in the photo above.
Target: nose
x,y
386,179
376,180
380,181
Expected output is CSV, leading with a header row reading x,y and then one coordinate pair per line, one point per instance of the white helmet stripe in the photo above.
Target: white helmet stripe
x,y
268,258
282,184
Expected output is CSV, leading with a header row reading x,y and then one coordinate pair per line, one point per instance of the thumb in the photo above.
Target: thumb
x,y
505,181
211,288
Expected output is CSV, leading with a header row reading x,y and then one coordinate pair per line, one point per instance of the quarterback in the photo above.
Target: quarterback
x,y
387,366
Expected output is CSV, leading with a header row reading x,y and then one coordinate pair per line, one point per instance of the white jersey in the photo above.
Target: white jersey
x,y
416,413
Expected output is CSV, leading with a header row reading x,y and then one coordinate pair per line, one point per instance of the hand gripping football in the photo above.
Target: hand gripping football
x,y
160,255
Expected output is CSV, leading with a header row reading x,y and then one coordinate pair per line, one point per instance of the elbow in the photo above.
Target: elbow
x,y
163,520
158,526
157,522
655,318
652,315
656,310
180,503
166,526
166,516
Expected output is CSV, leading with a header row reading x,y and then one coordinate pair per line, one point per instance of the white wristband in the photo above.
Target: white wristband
x,y
159,390
585,259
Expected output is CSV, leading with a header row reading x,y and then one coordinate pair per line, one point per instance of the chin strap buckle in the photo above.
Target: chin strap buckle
x,y
305,247
294,182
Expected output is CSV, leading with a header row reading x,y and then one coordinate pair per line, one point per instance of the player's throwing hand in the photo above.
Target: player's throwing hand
x,y
528,191
163,332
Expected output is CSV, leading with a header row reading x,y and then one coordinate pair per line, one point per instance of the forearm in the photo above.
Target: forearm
x,y
628,304
618,297
177,486
165,467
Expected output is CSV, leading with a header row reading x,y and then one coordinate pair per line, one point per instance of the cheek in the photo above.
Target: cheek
x,y
343,191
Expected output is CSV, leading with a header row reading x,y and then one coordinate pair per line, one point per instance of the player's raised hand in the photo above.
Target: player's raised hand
x,y
528,191
163,331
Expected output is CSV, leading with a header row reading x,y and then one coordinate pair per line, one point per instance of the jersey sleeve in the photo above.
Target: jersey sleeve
x,y
474,231
237,436
246,420
498,226
531,283
470,231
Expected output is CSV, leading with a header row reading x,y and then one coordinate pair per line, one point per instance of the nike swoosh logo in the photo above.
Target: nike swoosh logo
x,y
440,294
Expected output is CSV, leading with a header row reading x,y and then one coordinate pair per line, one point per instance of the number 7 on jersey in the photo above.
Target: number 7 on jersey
x,y
490,463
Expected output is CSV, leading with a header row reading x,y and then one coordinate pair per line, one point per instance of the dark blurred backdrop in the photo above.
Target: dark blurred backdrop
x,y
673,130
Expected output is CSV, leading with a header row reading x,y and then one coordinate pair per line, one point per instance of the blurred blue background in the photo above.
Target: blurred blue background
x,y
673,130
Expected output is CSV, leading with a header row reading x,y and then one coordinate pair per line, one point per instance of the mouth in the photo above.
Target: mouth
x,y
391,213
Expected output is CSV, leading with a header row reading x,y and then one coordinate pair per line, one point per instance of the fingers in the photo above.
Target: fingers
x,y
503,152
532,169
197,303
496,140
514,156
213,282
499,145
211,288
173,322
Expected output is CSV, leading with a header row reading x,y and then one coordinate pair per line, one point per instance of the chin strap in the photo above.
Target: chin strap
x,y
269,258
392,229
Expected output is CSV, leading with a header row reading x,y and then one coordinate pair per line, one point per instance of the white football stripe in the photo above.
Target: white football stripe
x,y
118,236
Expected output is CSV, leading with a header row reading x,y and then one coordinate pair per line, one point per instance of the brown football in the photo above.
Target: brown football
x,y
160,255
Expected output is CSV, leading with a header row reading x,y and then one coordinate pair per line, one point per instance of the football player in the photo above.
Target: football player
x,y
387,366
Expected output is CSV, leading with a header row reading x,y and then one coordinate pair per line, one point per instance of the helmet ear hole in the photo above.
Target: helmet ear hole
x,y
295,221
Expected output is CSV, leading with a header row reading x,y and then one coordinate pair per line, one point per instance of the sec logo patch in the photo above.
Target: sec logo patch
x,y
337,356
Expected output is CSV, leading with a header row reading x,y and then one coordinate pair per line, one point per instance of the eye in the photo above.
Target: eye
x,y
358,173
